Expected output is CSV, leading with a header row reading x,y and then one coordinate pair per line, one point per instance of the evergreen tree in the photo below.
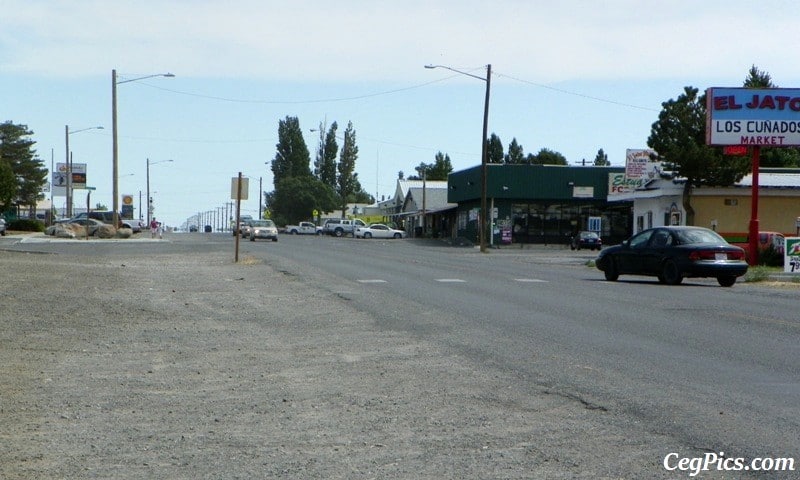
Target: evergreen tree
x,y
495,150
515,154
601,160
346,179
291,156
758,79
325,163
29,174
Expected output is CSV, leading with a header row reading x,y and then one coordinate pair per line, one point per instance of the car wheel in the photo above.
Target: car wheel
x,y
572,247
397,235
670,273
294,232
252,239
611,272
367,235
726,281
338,232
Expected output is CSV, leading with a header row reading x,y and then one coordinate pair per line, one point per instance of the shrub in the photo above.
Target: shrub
x,y
26,225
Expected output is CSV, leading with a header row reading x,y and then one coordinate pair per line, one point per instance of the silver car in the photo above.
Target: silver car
x,y
2,226
263,229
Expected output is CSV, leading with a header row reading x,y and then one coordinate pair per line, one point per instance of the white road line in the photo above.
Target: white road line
x,y
371,280
530,280
450,280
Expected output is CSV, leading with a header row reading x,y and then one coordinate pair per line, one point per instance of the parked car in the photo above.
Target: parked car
x,y
672,253
107,216
192,228
339,227
304,228
263,229
586,239
3,226
93,225
378,230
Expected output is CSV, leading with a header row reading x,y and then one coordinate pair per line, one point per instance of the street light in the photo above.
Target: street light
x,y
115,152
67,133
148,185
484,146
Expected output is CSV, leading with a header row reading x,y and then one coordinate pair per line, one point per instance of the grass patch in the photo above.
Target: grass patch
x,y
760,273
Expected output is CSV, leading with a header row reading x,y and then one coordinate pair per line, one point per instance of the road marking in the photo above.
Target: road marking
x,y
371,280
450,280
530,280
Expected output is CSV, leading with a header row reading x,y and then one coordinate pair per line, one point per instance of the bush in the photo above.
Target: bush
x,y
26,225
770,257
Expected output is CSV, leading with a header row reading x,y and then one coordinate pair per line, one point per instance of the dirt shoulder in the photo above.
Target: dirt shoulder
x,y
166,367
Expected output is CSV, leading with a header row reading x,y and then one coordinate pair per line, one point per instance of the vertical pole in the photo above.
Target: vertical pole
x,y
148,192
69,173
88,211
753,233
238,211
260,197
485,159
115,149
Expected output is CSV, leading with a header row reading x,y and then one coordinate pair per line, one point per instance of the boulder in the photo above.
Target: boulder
x,y
124,233
63,230
105,231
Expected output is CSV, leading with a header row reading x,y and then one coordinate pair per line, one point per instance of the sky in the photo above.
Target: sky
x,y
573,76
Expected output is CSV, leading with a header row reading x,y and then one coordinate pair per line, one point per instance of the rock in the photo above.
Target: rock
x,y
106,231
124,233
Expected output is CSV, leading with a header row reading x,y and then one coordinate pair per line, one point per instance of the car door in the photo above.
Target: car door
x,y
656,250
630,259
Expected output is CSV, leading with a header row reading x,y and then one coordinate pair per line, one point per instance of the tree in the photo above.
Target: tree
x,y
295,199
515,154
291,156
29,174
546,157
325,163
494,150
601,160
438,170
758,79
679,138
346,179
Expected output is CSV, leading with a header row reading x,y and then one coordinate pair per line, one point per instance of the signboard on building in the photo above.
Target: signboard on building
x,y
619,184
753,116
791,259
641,166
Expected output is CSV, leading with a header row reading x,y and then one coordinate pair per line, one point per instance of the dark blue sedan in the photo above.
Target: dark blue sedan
x,y
674,253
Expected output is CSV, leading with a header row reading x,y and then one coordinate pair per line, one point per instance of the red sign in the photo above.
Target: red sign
x,y
735,150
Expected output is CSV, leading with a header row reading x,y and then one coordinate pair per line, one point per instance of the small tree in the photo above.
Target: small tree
x,y
346,180
495,150
601,160
515,154
546,157
29,173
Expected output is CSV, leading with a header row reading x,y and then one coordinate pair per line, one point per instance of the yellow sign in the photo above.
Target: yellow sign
x,y
127,199
315,213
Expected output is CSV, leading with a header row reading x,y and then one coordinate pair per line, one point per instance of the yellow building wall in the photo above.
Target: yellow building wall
x,y
732,213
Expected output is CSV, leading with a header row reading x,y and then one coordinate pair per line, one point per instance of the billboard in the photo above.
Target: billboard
x,y
641,166
753,116
60,178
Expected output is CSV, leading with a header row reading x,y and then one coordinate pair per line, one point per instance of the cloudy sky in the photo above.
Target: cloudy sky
x,y
570,76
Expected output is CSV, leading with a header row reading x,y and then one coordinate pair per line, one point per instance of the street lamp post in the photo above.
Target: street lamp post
x,y
115,146
484,147
148,186
68,164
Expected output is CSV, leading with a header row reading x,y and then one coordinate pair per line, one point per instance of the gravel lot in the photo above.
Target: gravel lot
x,y
164,366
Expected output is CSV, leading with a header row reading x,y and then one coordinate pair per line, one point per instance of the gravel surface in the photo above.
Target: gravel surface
x,y
174,366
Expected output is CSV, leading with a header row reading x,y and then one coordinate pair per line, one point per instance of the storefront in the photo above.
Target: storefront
x,y
545,204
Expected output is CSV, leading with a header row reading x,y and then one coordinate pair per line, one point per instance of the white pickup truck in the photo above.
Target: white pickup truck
x,y
304,228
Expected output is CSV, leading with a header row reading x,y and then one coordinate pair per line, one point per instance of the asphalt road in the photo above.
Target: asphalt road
x,y
715,369
695,368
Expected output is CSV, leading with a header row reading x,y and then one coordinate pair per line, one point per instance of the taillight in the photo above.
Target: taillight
x,y
716,255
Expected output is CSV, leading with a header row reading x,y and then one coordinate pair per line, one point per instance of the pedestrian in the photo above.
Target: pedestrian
x,y
153,227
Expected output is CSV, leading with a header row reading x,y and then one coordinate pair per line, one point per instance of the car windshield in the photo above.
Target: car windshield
x,y
262,223
699,235
588,235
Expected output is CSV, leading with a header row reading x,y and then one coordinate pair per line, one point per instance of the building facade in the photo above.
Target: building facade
x,y
545,204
